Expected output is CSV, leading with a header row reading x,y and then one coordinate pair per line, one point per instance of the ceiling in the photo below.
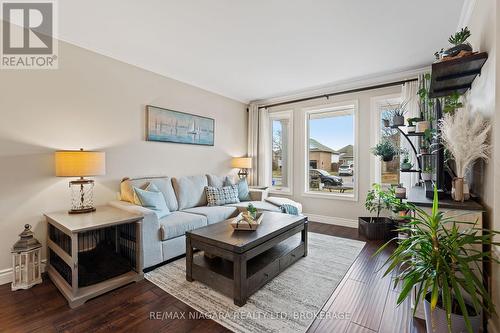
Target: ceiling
x,y
249,50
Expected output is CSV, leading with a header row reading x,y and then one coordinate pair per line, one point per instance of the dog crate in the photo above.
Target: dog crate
x,y
89,260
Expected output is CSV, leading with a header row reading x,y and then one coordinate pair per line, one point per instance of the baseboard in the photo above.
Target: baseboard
x,y
332,220
6,274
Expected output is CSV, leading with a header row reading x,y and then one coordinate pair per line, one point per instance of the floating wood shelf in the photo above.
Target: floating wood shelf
x,y
455,75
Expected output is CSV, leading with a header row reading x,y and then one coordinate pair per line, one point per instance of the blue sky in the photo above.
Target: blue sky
x,y
334,132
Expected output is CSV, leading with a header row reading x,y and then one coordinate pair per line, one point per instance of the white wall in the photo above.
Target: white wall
x,y
484,97
335,210
95,102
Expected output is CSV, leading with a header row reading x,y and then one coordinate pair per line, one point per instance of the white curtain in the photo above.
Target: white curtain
x,y
264,153
253,142
409,93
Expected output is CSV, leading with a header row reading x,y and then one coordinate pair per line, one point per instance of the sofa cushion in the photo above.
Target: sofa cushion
x,y
260,205
217,181
164,184
218,196
190,191
177,223
214,214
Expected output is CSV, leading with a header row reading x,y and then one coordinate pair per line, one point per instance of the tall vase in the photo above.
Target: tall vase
x,y
458,185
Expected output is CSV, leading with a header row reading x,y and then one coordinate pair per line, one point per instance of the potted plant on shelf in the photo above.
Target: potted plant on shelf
x,y
426,106
427,173
460,45
406,164
442,269
411,124
386,150
424,148
465,136
398,113
378,227
386,122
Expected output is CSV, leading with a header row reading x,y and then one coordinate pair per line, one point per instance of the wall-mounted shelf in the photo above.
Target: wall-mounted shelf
x,y
455,75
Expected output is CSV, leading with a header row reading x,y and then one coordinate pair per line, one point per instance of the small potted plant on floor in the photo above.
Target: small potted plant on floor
x,y
398,114
427,173
411,124
378,227
385,150
405,164
442,269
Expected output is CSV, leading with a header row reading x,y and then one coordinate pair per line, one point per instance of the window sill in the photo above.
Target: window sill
x,y
330,196
286,192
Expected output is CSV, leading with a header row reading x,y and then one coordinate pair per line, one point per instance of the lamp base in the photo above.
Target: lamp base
x,y
81,211
243,173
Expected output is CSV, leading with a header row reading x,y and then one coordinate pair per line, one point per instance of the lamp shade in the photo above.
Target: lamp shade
x,y
80,163
241,162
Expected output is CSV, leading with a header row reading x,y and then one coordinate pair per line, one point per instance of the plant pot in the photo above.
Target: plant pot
x,y
458,189
422,126
387,158
377,228
435,321
405,166
426,176
455,50
400,192
411,129
398,120
386,122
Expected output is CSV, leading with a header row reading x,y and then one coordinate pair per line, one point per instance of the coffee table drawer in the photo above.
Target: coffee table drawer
x,y
263,276
291,257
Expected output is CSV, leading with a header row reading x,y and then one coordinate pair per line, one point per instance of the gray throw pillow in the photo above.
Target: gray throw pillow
x,y
218,196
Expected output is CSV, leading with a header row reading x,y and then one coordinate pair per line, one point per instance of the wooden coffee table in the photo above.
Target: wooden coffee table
x,y
238,263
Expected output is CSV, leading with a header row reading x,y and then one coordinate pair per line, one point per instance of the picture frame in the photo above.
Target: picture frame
x,y
165,125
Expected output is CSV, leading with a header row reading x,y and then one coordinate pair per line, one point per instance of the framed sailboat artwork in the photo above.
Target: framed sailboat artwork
x,y
166,125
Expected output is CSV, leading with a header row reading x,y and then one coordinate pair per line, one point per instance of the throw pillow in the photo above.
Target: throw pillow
x,y
152,198
218,196
243,189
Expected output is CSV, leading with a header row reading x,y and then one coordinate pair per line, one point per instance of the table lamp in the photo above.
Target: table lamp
x,y
242,163
80,163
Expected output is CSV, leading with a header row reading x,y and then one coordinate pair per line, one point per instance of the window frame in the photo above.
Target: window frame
x,y
354,105
280,115
376,102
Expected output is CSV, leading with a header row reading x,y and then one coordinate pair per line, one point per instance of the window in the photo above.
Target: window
x,y
387,172
281,160
331,151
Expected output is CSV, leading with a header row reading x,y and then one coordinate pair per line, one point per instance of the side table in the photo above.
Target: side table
x,y
92,253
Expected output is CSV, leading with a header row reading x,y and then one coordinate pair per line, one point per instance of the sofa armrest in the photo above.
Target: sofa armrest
x,y
151,243
258,194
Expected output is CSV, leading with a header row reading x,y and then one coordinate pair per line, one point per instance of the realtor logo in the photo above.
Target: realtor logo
x,y
27,35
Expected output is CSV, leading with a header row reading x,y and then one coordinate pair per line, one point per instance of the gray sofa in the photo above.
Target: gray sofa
x,y
164,238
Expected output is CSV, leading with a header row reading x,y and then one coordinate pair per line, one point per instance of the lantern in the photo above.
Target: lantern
x,y
26,258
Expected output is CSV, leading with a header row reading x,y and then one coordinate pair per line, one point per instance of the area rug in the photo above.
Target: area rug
x,y
288,303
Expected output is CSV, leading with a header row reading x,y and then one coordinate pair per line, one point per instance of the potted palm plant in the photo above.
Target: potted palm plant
x,y
442,265
386,150
377,227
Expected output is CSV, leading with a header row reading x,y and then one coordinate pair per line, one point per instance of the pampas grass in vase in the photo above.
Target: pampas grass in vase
x,y
465,135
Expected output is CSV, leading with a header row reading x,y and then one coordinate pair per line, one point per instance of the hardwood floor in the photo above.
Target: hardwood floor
x,y
364,302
